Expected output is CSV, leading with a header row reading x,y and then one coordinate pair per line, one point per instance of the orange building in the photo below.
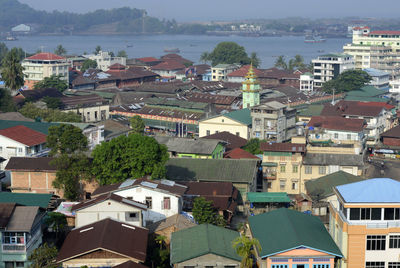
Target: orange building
x,y
365,223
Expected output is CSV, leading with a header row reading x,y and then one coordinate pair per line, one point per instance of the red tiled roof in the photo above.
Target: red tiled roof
x,y
370,109
278,74
378,104
337,123
169,65
45,56
24,135
147,59
283,147
242,72
238,153
117,66
385,32
176,57
360,28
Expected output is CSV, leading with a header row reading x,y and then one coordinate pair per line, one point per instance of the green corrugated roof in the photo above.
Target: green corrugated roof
x,y
177,103
312,110
366,91
361,98
104,95
284,229
269,164
253,197
323,186
201,240
37,126
243,116
26,199
168,125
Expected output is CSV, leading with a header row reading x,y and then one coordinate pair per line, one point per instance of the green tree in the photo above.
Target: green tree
x,y
122,53
229,53
137,124
6,101
60,50
53,103
12,70
246,248
296,63
205,57
3,51
347,81
49,115
97,50
57,221
66,139
88,64
43,256
255,61
253,146
54,81
280,63
205,212
132,156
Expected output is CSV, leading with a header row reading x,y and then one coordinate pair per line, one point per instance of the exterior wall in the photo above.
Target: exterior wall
x,y
328,67
33,182
104,60
156,212
220,74
92,114
222,123
166,73
35,72
312,257
306,83
208,260
98,262
108,209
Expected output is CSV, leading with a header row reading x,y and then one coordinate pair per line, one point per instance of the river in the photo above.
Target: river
x,y
191,46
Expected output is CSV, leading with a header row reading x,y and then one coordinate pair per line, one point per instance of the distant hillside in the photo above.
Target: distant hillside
x,y
126,20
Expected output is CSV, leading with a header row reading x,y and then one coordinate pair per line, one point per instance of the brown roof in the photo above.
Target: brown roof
x,y
38,164
164,185
84,100
15,116
337,123
167,112
6,211
211,98
278,74
110,235
24,135
45,56
392,133
37,94
353,108
233,141
147,59
121,73
117,66
169,65
109,196
176,57
130,264
179,221
283,147
242,72
239,153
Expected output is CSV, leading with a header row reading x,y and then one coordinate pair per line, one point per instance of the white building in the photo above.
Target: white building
x,y
329,66
163,198
220,71
307,82
105,60
395,86
380,79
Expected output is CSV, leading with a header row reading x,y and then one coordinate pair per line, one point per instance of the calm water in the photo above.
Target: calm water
x,y
191,46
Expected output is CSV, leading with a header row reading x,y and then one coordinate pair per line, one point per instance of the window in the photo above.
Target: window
x,y
132,215
308,169
376,242
95,115
269,185
258,122
282,184
373,214
336,135
392,214
229,266
19,264
19,150
13,238
237,134
321,265
209,266
295,185
322,170
88,116
208,133
188,266
166,203
283,168
394,241
295,169
280,266
394,265
349,136
222,120
1,149
375,264
149,202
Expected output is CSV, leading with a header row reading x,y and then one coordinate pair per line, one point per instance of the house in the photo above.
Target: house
x,y
307,82
364,222
223,195
21,141
38,94
170,225
321,189
220,71
261,202
380,79
163,198
277,77
178,58
91,108
391,137
281,166
21,233
128,77
367,94
192,148
238,153
273,121
239,75
112,206
168,69
242,173
44,201
290,238
195,72
236,122
329,66
204,245
113,129
105,243
42,65
36,175
311,110
104,60
232,141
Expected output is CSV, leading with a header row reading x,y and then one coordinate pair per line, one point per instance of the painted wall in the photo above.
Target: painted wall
x,y
222,123
208,260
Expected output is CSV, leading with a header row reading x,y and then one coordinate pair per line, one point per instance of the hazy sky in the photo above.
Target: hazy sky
x,y
186,10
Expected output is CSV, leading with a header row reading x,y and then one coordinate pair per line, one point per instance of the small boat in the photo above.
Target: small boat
x,y
320,51
129,45
11,38
313,39
172,50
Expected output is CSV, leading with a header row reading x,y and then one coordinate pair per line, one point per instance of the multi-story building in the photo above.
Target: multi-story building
x,y
329,66
380,79
273,121
365,223
307,82
250,89
105,60
220,71
92,108
42,65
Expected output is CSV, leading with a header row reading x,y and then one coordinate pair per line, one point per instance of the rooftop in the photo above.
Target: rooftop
x,y
333,159
23,219
282,147
376,72
109,196
239,153
35,164
312,110
337,123
24,135
189,146
178,221
169,64
242,116
45,56
392,133
233,141
262,197
26,199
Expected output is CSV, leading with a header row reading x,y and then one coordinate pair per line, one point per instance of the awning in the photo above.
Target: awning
x,y
262,197
269,164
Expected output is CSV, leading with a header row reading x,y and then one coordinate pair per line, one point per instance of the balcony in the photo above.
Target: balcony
x,y
13,248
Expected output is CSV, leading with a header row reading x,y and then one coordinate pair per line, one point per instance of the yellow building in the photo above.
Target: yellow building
x,y
365,223
220,71
237,123
282,167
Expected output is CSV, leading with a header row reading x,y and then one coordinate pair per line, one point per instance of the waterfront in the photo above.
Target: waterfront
x,y
191,46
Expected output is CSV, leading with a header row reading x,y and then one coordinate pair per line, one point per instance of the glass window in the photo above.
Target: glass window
x,y
166,203
376,214
322,170
308,169
207,132
349,136
376,242
394,241
375,264
149,202
295,185
295,169
282,184
354,214
336,135
394,265
392,214
283,168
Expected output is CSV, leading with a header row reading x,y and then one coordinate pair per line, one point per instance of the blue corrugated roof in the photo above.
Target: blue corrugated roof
x,y
375,72
378,190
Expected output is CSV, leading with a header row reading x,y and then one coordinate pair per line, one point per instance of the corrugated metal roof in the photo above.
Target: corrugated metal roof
x,y
262,197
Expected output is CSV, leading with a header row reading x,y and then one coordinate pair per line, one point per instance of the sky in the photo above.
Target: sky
x,y
208,10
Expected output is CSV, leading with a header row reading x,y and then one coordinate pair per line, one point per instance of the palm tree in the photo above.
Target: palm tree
x,y
255,61
12,71
246,247
280,63
205,57
60,50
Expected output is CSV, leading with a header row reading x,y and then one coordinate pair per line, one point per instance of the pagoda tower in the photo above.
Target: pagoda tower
x,y
250,89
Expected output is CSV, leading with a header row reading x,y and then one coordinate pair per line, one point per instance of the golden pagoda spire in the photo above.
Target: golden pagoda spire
x,y
251,75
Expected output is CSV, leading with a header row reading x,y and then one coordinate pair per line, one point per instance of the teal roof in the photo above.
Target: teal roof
x,y
366,91
312,110
37,126
201,240
263,197
361,98
26,199
323,186
242,116
285,229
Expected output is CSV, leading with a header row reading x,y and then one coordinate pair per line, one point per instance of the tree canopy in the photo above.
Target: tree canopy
x,y
12,70
53,81
43,257
60,50
228,53
137,124
205,212
347,81
132,156
122,53
295,63
49,115
6,101
88,64
246,248
66,139
253,146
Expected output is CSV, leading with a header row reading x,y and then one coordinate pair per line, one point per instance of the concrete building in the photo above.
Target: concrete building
x,y
220,71
42,65
394,86
92,108
380,79
329,66
105,60
364,222
273,121
250,89
307,82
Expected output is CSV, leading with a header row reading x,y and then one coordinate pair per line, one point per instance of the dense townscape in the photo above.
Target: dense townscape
x,y
113,161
